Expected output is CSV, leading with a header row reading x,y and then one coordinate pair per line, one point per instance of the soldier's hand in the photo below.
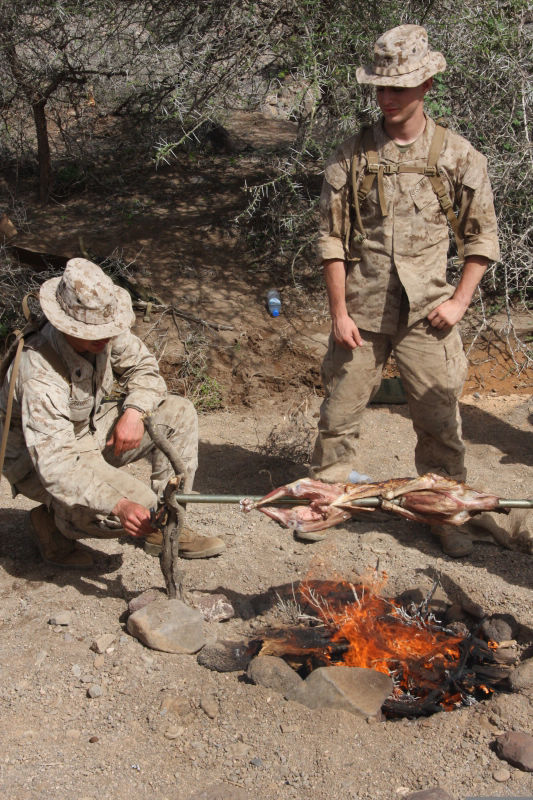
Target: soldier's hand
x,y
134,518
346,332
127,433
447,314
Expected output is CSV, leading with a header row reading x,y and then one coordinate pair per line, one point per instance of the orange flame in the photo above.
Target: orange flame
x,y
381,635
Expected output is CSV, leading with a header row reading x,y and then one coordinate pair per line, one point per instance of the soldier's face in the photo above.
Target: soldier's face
x,y
398,105
86,345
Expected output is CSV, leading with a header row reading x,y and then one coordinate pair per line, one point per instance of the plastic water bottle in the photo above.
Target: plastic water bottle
x,y
273,303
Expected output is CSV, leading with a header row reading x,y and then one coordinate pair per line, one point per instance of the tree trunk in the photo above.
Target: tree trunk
x,y
43,149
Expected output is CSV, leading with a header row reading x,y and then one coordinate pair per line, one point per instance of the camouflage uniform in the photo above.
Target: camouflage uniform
x,y
61,420
395,277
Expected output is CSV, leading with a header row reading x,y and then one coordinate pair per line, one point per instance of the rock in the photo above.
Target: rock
x,y
76,670
60,618
94,739
168,625
516,748
101,644
94,691
143,599
174,712
174,732
256,762
472,608
212,607
455,613
429,794
275,673
99,661
225,656
522,676
221,791
501,775
499,627
209,705
356,689
459,628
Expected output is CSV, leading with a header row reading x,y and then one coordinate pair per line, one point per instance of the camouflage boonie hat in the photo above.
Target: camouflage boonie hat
x,y
402,58
85,303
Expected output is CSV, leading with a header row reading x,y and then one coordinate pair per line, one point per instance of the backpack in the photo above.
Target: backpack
x,y
34,323
365,141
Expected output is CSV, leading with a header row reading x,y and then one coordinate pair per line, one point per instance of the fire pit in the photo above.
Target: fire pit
x,y
432,667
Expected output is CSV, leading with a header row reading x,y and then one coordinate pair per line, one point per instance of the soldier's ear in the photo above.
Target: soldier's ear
x,y
427,84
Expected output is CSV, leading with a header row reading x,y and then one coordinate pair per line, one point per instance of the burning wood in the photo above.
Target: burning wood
x,y
429,498
433,669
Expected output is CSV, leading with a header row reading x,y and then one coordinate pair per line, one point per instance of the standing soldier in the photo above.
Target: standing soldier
x,y
69,433
389,194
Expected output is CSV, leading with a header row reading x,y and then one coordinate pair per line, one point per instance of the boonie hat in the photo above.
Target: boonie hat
x,y
84,302
402,58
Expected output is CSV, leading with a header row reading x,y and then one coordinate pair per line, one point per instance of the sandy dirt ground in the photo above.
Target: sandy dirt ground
x,y
59,742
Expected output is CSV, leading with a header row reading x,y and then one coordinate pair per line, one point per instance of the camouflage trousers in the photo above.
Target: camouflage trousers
x,y
432,367
177,421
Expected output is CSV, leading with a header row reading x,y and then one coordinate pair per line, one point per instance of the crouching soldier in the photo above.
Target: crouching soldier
x,y
68,436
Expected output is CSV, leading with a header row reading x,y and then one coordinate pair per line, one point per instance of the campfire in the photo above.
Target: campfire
x,y
432,667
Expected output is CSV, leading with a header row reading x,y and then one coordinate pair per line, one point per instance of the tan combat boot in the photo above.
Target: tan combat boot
x,y
55,548
190,544
452,541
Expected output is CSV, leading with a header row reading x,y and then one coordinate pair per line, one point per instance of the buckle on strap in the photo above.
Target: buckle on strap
x,y
430,172
372,168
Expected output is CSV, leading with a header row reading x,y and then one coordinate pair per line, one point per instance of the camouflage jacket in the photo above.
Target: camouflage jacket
x,y
52,420
408,247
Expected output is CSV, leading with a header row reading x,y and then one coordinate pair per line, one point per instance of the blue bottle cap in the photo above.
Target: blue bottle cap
x,y
275,312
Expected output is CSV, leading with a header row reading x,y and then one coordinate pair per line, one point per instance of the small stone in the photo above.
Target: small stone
x,y
94,739
94,691
501,775
99,661
101,644
209,705
429,794
212,607
174,709
174,733
275,673
61,618
76,670
476,396
499,628
516,748
256,762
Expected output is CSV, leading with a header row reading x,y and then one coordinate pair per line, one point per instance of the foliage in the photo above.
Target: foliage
x,y
167,71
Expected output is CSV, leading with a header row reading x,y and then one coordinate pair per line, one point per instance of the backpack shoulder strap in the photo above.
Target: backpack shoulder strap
x,y
440,190
364,141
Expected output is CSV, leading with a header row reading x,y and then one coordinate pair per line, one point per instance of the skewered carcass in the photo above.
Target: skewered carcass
x,y
429,498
